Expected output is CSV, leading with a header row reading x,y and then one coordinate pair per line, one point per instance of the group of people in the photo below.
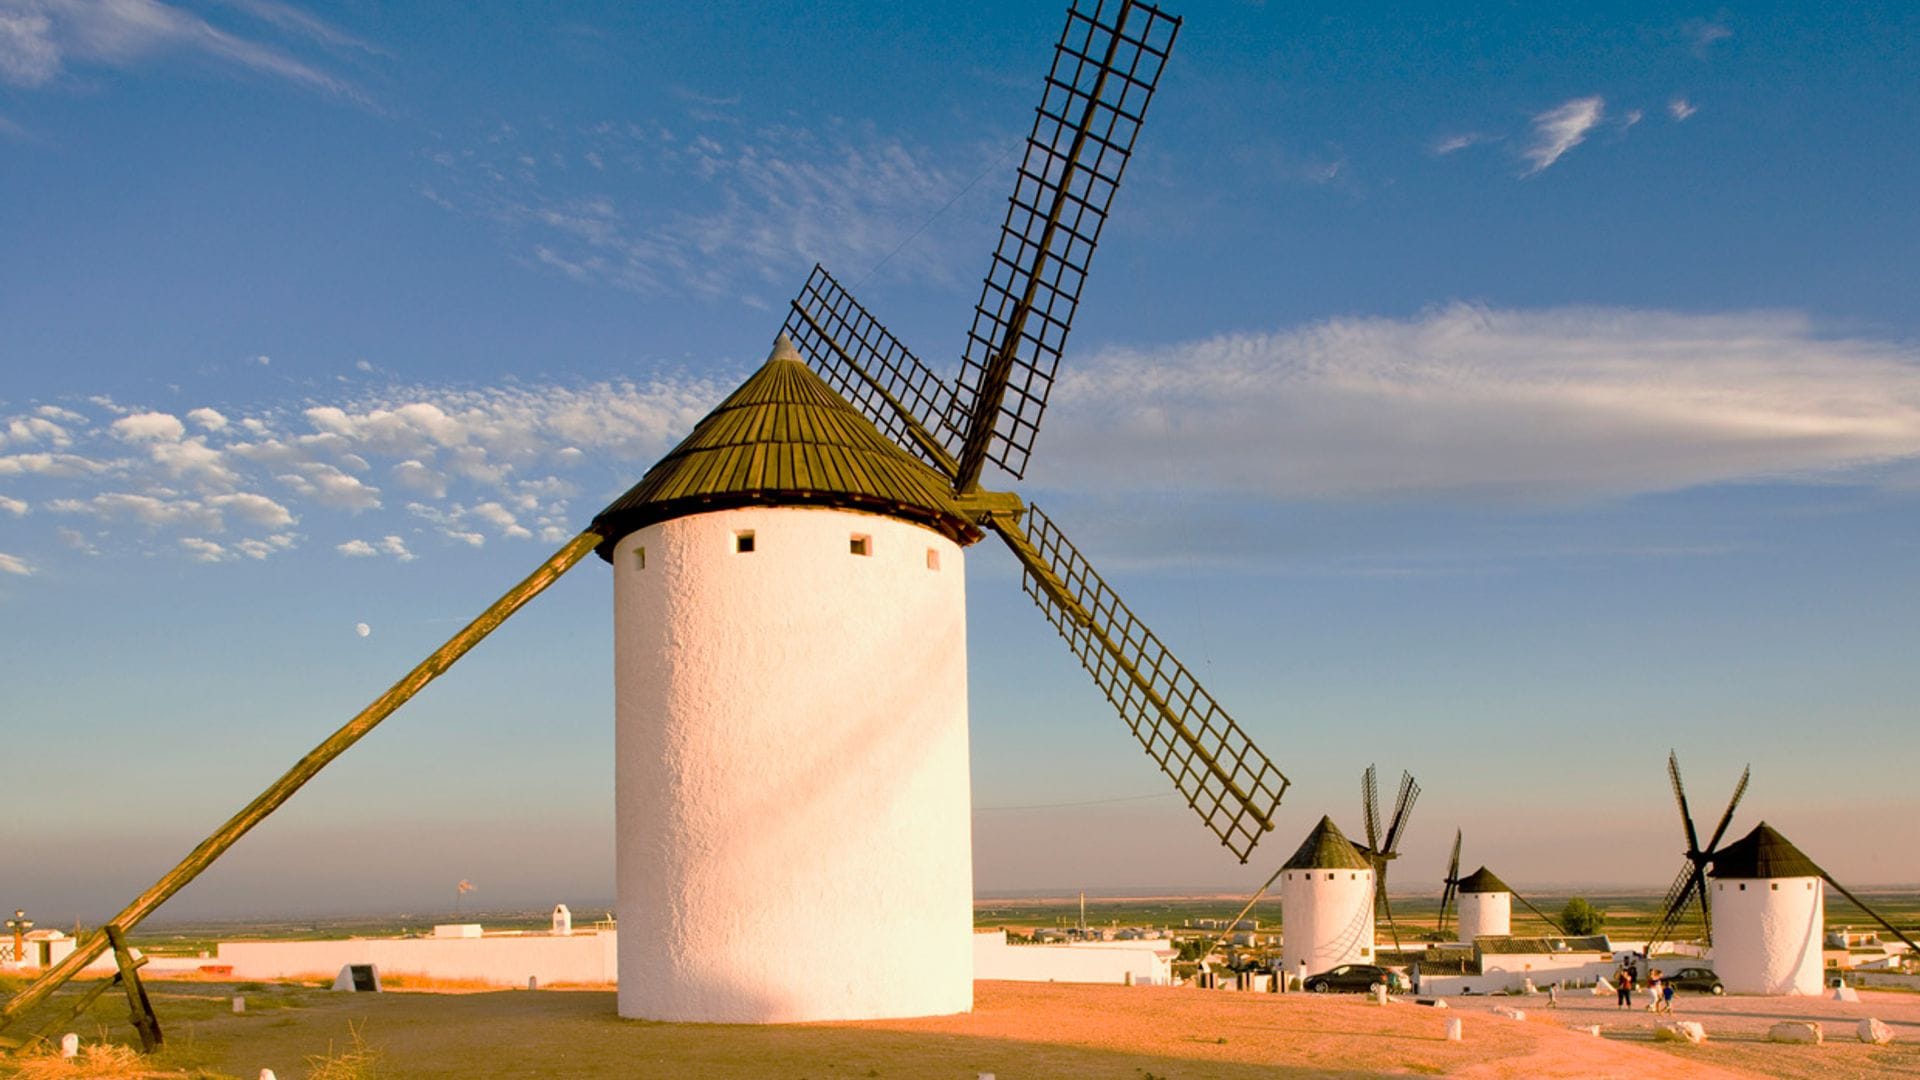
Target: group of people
x,y
1659,989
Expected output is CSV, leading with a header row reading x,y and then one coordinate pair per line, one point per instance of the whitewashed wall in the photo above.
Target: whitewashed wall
x,y
1767,936
504,960
1326,919
1483,914
793,812
1093,962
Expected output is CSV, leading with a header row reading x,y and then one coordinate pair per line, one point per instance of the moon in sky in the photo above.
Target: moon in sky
x,y
362,629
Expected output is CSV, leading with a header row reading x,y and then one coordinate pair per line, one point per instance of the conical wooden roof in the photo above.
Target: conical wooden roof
x,y
1326,848
1483,880
785,438
1763,853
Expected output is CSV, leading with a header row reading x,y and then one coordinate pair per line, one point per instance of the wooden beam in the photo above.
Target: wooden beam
x,y
223,838
145,1023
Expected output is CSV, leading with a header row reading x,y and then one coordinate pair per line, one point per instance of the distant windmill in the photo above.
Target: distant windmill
x,y
791,730
1485,901
1381,850
1690,885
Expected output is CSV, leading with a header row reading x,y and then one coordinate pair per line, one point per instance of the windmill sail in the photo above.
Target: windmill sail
x,y
1104,72
1689,888
871,368
1224,777
1452,883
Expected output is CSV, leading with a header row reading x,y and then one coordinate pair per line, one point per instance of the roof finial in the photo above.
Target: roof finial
x,y
783,349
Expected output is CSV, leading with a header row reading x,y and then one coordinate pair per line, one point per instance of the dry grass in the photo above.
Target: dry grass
x,y
358,1062
103,1061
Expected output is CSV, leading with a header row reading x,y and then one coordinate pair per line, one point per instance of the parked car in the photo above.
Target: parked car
x,y
1356,979
1702,980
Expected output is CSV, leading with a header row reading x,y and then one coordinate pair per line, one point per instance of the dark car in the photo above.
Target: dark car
x,y
1701,980
1355,979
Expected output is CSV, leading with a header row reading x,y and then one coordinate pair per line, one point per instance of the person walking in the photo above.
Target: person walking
x,y
1623,986
1666,996
1654,986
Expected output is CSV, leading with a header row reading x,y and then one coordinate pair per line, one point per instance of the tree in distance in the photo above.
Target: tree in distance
x,y
1580,917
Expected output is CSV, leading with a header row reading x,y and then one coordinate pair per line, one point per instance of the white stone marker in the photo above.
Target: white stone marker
x,y
1454,1030
267,1074
69,1045
1379,993
1795,1031
239,1004
1844,992
1875,1032
1685,1031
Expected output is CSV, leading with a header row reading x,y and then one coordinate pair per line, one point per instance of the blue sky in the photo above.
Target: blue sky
x,y
1508,396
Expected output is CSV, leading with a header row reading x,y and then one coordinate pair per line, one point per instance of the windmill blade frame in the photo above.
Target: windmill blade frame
x,y
1105,69
1452,881
1672,907
1726,819
1402,812
1370,811
862,360
1226,779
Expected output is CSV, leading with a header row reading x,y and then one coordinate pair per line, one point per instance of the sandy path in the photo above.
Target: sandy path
x,y
1021,1030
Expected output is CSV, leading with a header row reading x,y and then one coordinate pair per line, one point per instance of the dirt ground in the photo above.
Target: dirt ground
x,y
1020,1030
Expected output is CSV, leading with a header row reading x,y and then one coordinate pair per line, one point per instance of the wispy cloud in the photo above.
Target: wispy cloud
x,y
1529,406
1680,108
1560,129
39,39
705,210
1449,144
14,564
1701,34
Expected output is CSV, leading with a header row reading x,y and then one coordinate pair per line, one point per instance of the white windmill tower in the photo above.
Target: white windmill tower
x,y
792,769
1486,906
1326,904
1769,903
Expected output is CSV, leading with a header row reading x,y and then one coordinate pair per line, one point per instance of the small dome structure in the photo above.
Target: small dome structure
x,y
1769,915
1486,906
1326,904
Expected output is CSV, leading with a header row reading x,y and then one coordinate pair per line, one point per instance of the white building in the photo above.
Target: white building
x,y
1509,963
1486,906
584,958
791,769
1769,916
1138,962
1326,904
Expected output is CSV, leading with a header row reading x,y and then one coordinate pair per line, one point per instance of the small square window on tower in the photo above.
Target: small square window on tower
x,y
743,541
639,558
860,544
933,558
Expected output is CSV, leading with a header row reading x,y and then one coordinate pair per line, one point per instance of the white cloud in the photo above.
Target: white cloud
x,y
194,459
396,547
501,519
203,550
149,427
328,486
263,360
26,430
1680,108
255,509
1448,144
14,564
210,419
13,506
1528,406
1632,117
41,38
1562,128
356,549
55,465
362,365
60,415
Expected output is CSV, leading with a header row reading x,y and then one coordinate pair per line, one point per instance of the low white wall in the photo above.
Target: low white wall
x,y
1885,979
1504,973
1089,962
505,960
